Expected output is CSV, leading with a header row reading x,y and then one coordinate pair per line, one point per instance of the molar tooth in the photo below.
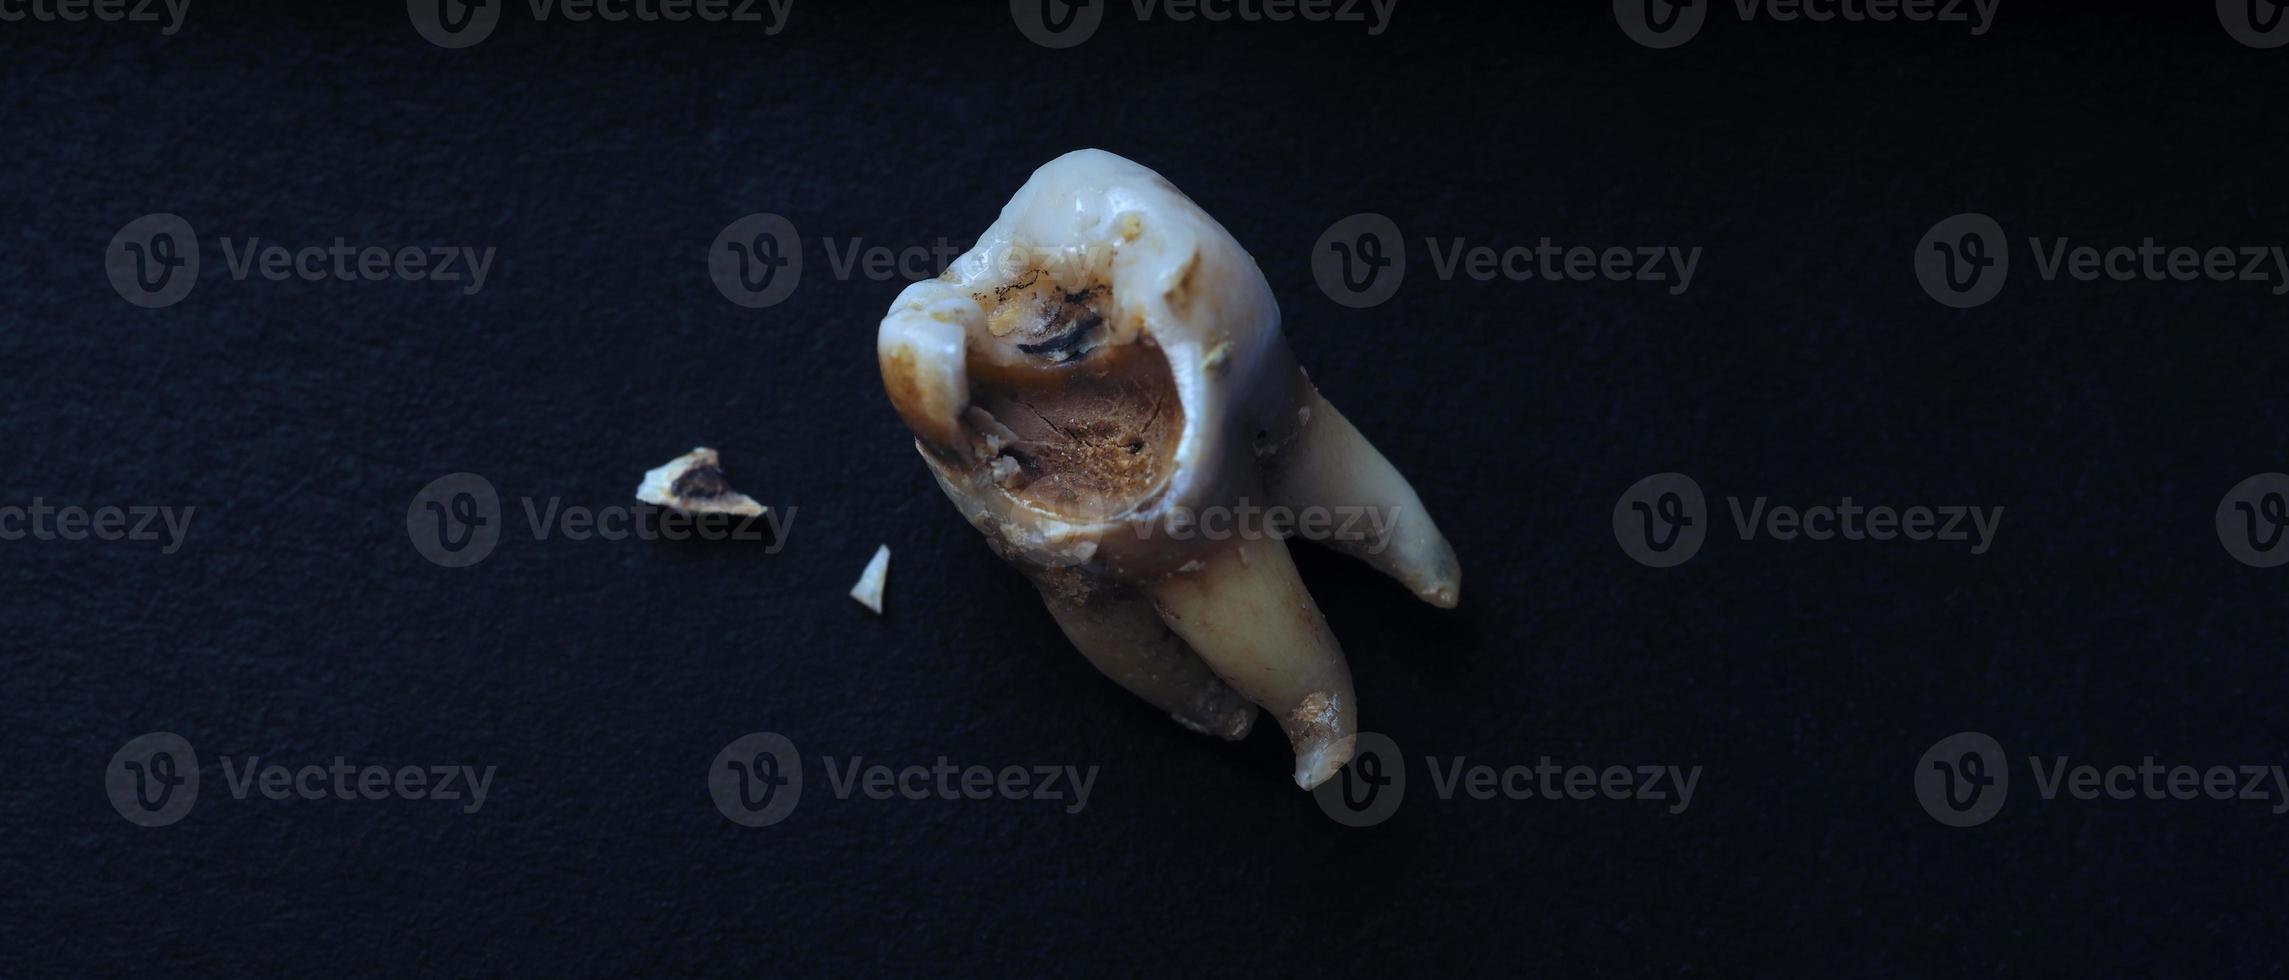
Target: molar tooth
x,y
1106,360
1248,616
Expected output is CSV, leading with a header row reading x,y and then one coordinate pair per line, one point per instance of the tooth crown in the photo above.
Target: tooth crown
x,y
1178,282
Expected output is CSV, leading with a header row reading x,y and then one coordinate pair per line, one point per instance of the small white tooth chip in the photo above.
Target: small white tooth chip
x,y
693,483
868,591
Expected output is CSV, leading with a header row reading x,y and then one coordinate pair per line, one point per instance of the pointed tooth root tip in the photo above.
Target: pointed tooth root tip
x,y
1320,763
1321,746
1436,579
1445,595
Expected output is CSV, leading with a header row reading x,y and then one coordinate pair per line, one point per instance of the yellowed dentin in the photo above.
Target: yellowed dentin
x,y
916,397
1084,439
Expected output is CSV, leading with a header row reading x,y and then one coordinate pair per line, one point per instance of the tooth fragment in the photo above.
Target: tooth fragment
x,y
693,483
1251,620
868,591
1104,372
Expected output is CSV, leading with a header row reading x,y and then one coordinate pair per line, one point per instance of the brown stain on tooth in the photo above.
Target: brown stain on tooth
x,y
701,483
1313,719
1091,438
901,377
1181,295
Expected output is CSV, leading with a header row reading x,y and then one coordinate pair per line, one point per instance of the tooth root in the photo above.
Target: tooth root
x,y
1124,637
1246,613
1331,465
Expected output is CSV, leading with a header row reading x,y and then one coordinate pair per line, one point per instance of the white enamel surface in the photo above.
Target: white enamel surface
x,y
871,582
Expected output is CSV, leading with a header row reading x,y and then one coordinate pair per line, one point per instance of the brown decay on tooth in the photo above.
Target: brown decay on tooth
x,y
1069,414
700,484
694,484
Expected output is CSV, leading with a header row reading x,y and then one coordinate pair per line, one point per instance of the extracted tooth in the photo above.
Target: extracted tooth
x,y
1247,614
1090,385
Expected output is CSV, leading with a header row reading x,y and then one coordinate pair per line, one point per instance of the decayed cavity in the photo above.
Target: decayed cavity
x,y
1078,428
1047,320
1072,427
1086,438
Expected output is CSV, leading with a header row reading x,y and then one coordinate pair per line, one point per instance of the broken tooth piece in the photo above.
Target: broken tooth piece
x,y
693,483
1090,386
868,591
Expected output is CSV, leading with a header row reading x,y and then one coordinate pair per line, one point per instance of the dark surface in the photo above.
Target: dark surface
x,y
299,624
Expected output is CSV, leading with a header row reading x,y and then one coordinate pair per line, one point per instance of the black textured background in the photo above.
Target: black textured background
x,y
601,678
